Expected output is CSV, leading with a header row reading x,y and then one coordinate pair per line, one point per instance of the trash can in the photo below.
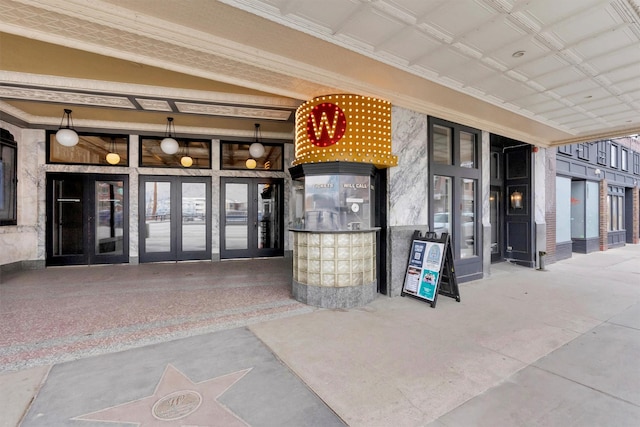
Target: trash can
x,y
541,255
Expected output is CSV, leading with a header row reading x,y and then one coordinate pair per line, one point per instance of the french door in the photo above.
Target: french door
x,y
87,221
175,218
251,218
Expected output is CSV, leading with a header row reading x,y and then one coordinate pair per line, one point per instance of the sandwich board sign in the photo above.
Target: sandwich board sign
x,y
430,268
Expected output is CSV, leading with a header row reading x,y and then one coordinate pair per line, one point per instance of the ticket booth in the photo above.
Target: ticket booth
x,y
341,143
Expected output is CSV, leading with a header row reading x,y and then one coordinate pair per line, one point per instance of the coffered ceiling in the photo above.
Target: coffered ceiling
x,y
546,72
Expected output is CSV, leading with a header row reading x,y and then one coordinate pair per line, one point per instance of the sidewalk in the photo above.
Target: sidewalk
x,y
522,348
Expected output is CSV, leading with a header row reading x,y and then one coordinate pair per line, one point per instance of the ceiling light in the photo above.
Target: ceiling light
x,y
518,53
66,135
251,164
256,149
186,160
113,158
169,145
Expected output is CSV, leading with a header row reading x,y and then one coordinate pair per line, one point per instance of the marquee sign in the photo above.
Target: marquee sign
x,y
348,128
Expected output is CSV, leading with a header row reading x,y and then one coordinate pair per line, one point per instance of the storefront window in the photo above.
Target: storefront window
x,y
592,202
578,209
563,209
615,201
8,178
90,150
624,160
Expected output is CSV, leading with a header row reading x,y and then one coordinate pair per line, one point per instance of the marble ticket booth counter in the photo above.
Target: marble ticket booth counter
x,y
334,269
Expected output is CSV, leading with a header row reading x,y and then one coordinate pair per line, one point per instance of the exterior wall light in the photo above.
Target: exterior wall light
x,y
516,200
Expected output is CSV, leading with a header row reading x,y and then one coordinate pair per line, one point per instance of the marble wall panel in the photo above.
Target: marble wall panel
x,y
408,182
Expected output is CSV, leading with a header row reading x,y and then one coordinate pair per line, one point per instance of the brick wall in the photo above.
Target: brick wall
x,y
636,215
604,216
550,202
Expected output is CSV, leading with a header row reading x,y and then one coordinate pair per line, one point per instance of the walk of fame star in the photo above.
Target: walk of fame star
x,y
177,401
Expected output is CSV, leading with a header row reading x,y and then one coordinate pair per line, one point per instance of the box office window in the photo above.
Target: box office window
x,y
198,150
91,149
236,156
8,178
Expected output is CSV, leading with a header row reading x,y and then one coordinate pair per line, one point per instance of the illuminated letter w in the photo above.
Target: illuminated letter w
x,y
324,123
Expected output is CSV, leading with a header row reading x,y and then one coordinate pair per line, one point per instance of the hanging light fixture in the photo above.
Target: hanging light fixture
x,y
113,158
251,164
67,135
186,160
256,149
169,145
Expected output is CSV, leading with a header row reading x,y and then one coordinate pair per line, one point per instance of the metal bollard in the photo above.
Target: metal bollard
x,y
541,255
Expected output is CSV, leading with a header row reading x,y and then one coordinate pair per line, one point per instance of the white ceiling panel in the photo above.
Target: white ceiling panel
x,y
541,66
327,13
581,26
505,88
493,35
410,45
370,27
625,75
628,55
458,17
602,43
560,78
443,61
548,12
472,72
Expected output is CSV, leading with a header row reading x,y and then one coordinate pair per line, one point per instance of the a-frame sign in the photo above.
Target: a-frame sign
x,y
430,268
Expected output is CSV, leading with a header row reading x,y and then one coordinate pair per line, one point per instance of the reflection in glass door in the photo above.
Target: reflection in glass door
x,y
252,222
175,218
86,219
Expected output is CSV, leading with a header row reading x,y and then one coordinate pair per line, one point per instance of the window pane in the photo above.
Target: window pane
x,y
468,219
110,225
467,150
620,213
152,155
442,145
593,213
625,160
157,216
8,180
563,209
614,156
90,150
442,204
194,218
235,156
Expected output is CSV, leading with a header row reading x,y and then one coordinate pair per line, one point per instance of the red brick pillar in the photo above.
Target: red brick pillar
x,y
604,216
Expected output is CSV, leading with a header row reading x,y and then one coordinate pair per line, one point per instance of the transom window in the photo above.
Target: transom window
x,y
151,155
236,156
91,149
602,153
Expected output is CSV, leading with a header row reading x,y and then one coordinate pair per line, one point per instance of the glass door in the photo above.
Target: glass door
x,y
175,218
495,218
252,221
86,219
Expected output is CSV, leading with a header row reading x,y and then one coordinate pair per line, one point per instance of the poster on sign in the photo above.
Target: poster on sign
x,y
430,260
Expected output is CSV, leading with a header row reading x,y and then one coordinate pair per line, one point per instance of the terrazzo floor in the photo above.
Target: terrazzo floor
x,y
61,314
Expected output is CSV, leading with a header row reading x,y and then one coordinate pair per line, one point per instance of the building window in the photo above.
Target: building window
x,y
615,201
636,163
565,149
602,153
624,160
92,149
454,207
151,155
614,156
583,151
8,178
235,156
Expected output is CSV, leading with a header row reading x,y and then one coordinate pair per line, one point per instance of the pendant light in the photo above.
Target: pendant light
x,y
251,164
186,160
66,135
169,145
256,149
113,158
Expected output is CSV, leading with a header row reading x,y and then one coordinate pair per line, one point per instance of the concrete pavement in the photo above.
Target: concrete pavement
x,y
522,348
